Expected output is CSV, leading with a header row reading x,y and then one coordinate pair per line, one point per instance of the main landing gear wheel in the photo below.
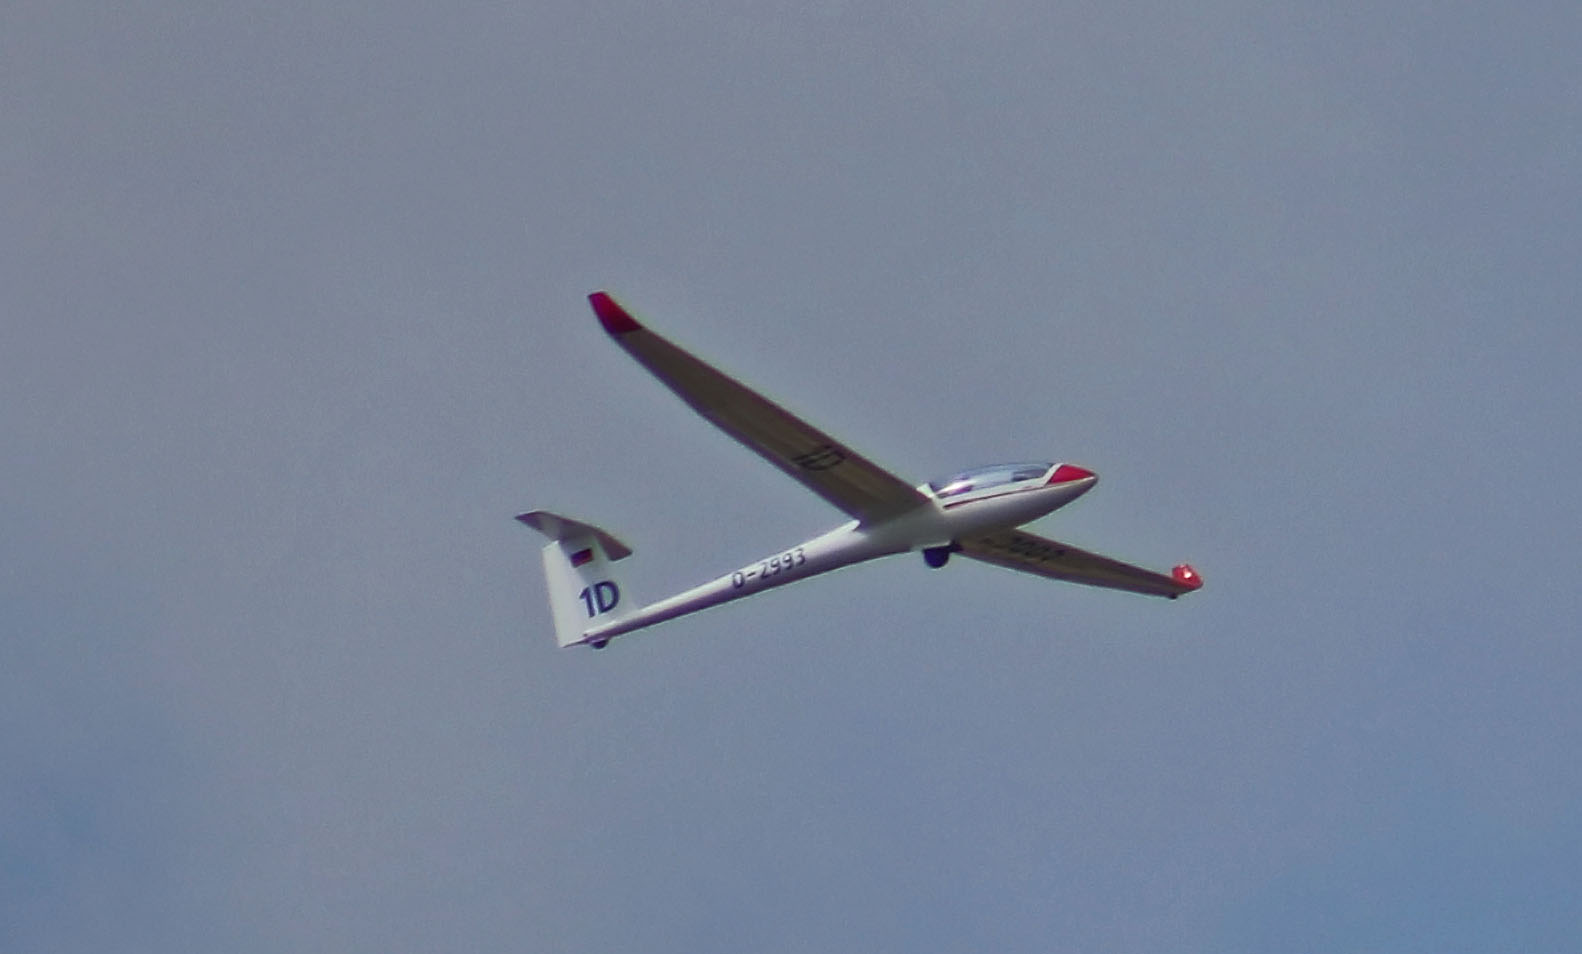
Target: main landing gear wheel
x,y
937,557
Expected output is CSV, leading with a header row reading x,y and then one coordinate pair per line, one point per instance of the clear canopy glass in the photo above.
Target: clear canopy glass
x,y
982,478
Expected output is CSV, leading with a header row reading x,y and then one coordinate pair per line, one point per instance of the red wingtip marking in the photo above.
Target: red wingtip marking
x,y
1186,576
612,316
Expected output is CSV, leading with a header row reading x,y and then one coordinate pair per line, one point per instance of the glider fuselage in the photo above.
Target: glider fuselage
x,y
970,504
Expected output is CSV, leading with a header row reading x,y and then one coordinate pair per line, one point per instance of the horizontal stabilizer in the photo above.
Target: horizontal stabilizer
x,y
560,529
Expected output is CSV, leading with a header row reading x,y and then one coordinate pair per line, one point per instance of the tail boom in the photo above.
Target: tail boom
x,y
840,547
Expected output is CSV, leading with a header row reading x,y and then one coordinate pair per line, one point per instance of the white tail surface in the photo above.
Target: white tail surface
x,y
583,589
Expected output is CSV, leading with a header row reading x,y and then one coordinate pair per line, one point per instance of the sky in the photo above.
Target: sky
x,y
294,322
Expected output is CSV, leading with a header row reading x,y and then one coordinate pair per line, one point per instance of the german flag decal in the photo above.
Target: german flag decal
x,y
582,557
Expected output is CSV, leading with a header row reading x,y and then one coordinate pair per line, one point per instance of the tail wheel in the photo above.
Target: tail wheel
x,y
937,557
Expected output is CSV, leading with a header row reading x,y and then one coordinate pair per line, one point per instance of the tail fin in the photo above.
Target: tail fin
x,y
582,585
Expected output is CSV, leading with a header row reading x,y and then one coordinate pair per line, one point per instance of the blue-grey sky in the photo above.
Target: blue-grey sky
x,y
294,322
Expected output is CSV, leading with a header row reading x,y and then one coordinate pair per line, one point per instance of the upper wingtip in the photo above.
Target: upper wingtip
x,y
612,316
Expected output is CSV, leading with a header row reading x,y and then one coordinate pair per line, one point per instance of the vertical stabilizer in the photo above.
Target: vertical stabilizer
x,y
583,589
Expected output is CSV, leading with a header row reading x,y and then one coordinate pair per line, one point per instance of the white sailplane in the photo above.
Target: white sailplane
x,y
975,513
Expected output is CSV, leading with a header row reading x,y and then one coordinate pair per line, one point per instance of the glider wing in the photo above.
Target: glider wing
x,y
1019,550
824,465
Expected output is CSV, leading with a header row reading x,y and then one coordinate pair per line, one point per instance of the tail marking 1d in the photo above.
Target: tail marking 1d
x,y
601,597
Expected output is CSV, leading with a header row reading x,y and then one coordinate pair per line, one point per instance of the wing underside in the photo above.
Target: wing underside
x,y
829,468
1019,550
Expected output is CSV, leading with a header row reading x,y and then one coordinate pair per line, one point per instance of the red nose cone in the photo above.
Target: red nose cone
x,y
1066,473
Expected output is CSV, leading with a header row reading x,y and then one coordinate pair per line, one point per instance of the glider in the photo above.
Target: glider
x,y
975,513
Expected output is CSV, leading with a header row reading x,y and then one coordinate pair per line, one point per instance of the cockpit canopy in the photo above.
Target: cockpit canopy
x,y
984,478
